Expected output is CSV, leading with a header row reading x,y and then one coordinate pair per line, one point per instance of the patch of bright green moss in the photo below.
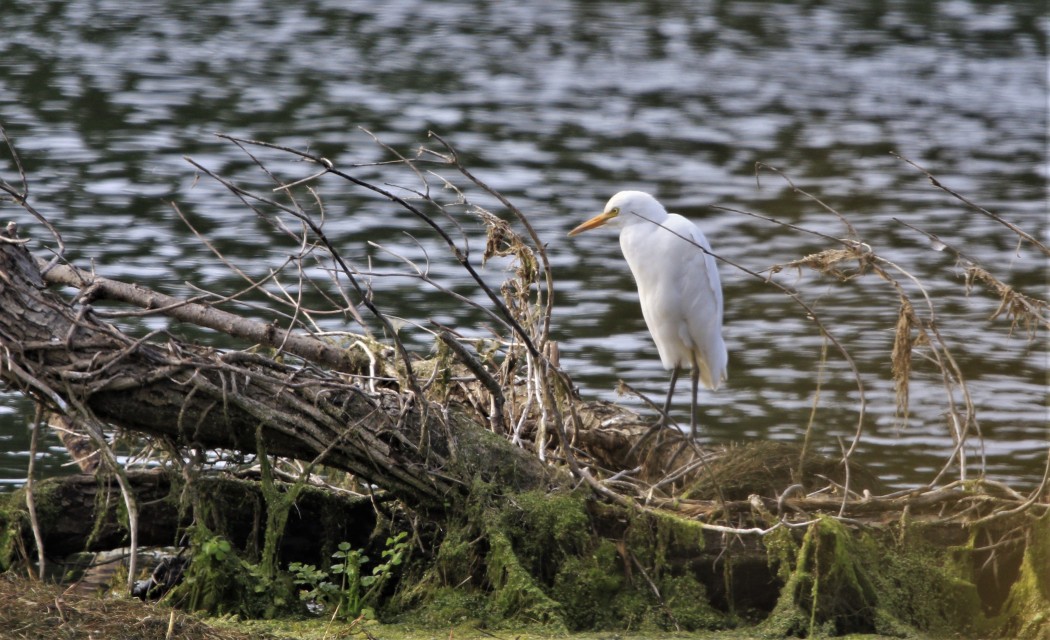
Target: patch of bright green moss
x,y
852,581
1026,614
653,536
588,587
13,517
533,558
517,595
685,605
546,529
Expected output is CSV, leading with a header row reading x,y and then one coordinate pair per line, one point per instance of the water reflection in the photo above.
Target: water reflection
x,y
558,105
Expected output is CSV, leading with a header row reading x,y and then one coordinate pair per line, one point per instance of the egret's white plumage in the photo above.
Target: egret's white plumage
x,y
678,286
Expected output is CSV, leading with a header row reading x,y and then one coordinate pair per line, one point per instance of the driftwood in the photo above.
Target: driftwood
x,y
67,358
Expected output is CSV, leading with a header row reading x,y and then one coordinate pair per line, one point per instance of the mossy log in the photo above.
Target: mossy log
x,y
82,512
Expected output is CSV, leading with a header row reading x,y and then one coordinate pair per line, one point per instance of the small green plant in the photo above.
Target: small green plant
x,y
213,572
393,556
345,590
271,595
215,549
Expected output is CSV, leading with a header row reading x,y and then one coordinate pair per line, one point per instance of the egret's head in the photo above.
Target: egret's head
x,y
621,208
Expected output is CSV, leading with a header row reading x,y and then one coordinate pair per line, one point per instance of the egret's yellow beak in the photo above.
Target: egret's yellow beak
x,y
594,222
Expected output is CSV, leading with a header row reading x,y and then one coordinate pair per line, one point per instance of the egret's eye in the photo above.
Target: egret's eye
x,y
615,211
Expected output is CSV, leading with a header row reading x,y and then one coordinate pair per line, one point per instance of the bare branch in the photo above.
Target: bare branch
x,y
1009,225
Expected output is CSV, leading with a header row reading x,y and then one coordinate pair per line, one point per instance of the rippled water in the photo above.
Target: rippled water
x,y
558,105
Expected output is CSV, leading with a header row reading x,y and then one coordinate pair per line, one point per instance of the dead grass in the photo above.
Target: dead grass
x,y
33,609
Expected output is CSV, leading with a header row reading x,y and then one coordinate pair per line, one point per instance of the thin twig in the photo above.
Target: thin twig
x,y
34,522
1009,225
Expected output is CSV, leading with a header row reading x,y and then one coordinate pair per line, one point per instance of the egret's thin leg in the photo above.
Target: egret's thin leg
x,y
670,394
664,417
695,378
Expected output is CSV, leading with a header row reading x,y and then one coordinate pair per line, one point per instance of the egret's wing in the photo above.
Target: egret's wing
x,y
702,300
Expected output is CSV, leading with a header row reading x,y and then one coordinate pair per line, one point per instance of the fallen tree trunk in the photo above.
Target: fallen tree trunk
x,y
82,513
65,357
173,390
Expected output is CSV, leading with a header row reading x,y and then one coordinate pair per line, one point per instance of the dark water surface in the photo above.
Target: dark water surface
x,y
559,104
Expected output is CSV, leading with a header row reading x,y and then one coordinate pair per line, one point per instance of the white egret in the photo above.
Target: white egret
x,y
678,286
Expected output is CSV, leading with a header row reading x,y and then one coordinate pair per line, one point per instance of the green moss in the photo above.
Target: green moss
x,y
922,588
50,508
533,558
484,456
448,606
1026,614
477,575
853,581
587,577
13,517
826,593
782,552
597,595
589,586
546,529
653,536
686,605
517,595
560,561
